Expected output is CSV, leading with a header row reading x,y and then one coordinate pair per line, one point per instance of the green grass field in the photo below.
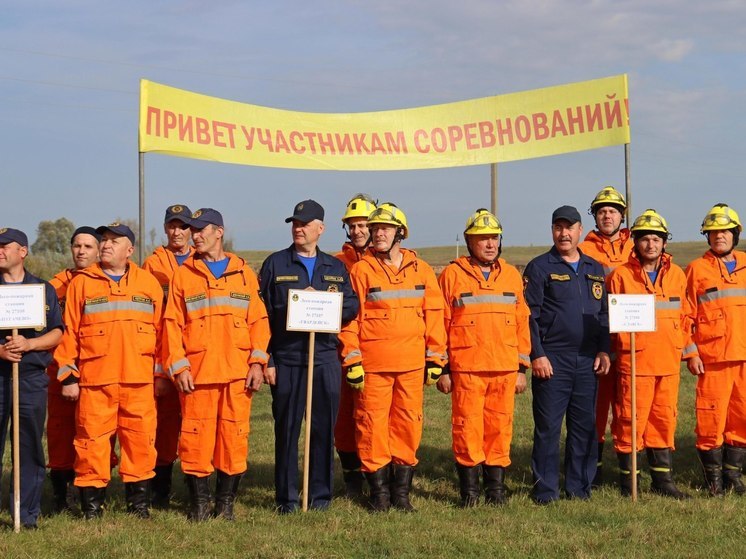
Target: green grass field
x,y
606,526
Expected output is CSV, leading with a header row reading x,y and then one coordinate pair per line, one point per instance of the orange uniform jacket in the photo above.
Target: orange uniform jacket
x,y
113,329
400,322
214,327
609,254
716,302
349,255
162,264
486,320
60,283
657,353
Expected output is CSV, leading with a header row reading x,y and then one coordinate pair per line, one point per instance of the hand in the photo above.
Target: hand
x,y
270,375
444,384
71,392
162,386
602,363
17,344
8,355
695,365
433,371
355,377
255,377
520,383
541,367
184,382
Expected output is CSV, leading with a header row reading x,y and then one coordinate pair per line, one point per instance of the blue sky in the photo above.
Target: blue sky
x,y
69,87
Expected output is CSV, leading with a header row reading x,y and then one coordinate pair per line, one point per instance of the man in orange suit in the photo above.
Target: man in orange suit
x,y
163,263
658,357
489,342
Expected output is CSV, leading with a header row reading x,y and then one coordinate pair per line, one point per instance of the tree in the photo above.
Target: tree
x,y
53,236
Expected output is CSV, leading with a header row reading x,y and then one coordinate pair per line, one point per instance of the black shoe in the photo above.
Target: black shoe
x,y
468,481
160,486
380,492
199,497
712,465
495,490
660,461
138,499
226,489
733,458
625,473
401,485
62,484
92,502
352,475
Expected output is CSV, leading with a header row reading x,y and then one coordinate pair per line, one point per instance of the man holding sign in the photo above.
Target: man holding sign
x,y
658,357
303,266
31,349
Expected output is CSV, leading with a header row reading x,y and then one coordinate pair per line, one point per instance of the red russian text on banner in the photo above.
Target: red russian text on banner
x,y
523,125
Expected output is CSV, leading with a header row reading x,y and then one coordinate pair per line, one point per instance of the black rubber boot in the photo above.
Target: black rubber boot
x,y
160,486
468,481
495,490
401,484
199,497
61,486
625,473
351,474
733,458
92,502
712,464
380,494
226,489
598,479
660,461
138,498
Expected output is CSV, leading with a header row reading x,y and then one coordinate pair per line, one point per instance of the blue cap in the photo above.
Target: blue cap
x,y
8,235
568,213
204,217
118,229
85,230
178,211
306,211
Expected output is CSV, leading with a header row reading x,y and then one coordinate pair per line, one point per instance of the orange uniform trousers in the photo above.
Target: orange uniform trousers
x,y
344,427
168,411
657,405
388,419
605,398
482,417
125,410
721,405
215,429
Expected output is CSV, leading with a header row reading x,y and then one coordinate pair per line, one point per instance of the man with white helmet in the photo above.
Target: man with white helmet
x,y
716,297
489,342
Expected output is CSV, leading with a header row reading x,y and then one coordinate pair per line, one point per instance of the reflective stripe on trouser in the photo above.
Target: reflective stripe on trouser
x,y
721,405
388,419
657,400
168,410
605,397
344,428
288,409
569,393
482,417
215,429
127,410
60,429
32,409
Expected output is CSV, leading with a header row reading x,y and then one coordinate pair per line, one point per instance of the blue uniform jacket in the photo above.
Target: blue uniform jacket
x,y
283,271
569,311
35,360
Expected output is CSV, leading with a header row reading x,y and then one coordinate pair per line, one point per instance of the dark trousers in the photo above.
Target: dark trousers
x,y
32,414
571,394
288,409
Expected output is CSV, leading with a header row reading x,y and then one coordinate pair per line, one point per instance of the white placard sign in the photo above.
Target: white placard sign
x,y
631,313
22,306
314,311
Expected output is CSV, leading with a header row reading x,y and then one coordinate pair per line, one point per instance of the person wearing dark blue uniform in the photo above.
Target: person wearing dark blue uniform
x,y
303,266
31,349
569,346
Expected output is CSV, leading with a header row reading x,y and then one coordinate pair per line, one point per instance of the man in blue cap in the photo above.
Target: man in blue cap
x,y
569,326
303,266
32,350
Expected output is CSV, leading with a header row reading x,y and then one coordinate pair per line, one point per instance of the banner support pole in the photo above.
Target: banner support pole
x,y
493,187
627,183
141,215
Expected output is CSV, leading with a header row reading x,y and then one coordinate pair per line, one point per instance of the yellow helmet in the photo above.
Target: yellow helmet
x,y
608,196
360,205
388,214
650,221
483,222
719,218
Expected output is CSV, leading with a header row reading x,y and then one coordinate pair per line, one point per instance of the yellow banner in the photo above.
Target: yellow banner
x,y
536,123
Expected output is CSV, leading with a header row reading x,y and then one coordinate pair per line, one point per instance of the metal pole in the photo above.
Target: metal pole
x,y
16,448
493,186
627,183
141,217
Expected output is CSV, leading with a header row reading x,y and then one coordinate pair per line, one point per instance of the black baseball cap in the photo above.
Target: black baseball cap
x,y
306,211
568,213
8,235
178,211
85,230
204,217
118,229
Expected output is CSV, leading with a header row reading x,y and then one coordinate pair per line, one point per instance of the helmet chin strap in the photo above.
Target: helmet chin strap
x,y
486,263
397,238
